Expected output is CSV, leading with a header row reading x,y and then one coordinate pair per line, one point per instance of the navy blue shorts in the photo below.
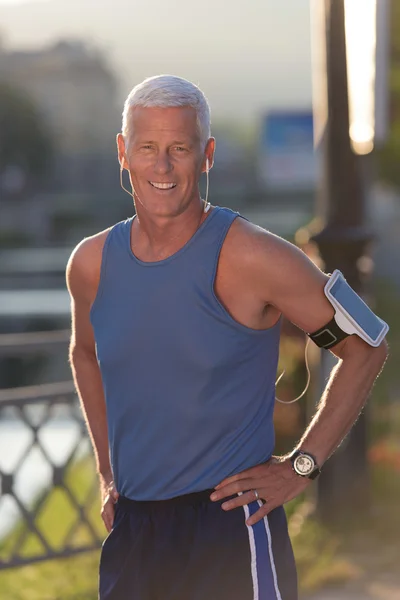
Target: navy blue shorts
x,y
189,548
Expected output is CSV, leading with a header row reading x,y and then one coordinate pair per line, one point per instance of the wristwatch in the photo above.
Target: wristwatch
x,y
304,464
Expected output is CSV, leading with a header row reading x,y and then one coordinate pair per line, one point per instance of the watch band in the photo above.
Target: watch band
x,y
315,473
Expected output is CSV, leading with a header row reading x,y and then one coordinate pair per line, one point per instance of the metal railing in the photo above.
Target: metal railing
x,y
18,344
39,411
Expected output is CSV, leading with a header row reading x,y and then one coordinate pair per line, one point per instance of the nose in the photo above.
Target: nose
x,y
163,164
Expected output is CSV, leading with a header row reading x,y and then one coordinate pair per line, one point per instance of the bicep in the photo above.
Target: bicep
x,y
296,288
82,292
295,285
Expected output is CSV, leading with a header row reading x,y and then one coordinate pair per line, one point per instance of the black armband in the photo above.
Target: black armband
x,y
329,335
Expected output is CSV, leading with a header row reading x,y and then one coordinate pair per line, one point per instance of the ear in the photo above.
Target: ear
x,y
121,151
209,154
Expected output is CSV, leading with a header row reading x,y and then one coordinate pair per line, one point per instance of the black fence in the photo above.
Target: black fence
x,y
46,422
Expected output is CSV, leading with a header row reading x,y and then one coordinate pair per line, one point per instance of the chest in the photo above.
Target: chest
x,y
241,294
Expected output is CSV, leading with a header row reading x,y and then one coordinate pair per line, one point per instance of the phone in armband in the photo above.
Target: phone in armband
x,y
352,314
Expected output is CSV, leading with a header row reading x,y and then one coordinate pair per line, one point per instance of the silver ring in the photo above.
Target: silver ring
x,y
256,494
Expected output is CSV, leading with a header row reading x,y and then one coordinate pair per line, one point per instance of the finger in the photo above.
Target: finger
x,y
111,487
106,521
259,515
108,516
111,498
233,479
114,495
239,501
249,473
243,485
108,509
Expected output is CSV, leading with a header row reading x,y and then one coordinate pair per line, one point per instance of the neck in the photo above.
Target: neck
x,y
155,237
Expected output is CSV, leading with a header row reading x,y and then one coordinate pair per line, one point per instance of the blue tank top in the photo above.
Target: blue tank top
x,y
189,391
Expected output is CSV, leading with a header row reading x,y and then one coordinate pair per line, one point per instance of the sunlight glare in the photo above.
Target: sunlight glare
x,y
360,18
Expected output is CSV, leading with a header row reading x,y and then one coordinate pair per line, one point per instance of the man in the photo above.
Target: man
x,y
175,336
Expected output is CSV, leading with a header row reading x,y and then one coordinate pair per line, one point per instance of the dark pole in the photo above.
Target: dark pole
x,y
343,485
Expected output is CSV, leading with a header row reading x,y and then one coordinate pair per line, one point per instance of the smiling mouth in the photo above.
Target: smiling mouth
x,y
162,186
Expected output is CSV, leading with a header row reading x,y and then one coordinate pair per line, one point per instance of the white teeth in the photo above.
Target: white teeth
x,y
163,186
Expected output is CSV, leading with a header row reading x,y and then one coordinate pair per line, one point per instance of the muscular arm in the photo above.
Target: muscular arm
x,y
83,273
295,286
345,394
282,276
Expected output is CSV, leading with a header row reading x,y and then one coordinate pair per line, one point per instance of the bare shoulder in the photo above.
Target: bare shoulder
x,y
84,265
260,248
279,272
252,241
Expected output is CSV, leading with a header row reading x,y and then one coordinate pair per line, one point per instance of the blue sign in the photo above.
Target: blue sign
x,y
287,157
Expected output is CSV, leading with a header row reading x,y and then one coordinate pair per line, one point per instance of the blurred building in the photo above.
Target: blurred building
x,y
73,87
76,92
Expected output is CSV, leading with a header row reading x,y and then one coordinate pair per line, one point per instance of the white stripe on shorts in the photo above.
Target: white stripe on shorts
x,y
271,554
257,593
253,553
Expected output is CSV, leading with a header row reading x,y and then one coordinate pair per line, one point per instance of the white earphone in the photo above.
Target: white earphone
x,y
122,184
207,204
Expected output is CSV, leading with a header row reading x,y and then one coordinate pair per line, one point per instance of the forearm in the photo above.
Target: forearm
x,y
342,401
87,378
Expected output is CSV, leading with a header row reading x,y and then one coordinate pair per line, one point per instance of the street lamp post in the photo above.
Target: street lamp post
x,y
342,243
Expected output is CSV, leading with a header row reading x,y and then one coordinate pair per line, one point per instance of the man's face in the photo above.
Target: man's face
x,y
164,148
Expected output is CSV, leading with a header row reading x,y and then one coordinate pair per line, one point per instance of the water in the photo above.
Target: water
x,y
58,438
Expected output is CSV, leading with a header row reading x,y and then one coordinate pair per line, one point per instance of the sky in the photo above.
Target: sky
x,y
246,56
10,2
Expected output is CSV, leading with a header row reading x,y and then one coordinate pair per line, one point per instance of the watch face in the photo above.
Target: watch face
x,y
304,464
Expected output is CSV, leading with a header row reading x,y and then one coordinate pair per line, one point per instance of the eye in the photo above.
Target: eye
x,y
180,148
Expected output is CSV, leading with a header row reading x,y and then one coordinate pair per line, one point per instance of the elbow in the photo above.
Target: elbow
x,y
383,351
78,353
72,355
380,356
355,348
377,356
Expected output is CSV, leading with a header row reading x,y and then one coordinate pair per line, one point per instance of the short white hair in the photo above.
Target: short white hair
x,y
165,91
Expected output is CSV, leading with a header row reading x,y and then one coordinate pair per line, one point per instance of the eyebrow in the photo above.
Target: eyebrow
x,y
179,142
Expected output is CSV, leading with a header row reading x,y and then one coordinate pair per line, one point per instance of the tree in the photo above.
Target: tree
x,y
25,141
